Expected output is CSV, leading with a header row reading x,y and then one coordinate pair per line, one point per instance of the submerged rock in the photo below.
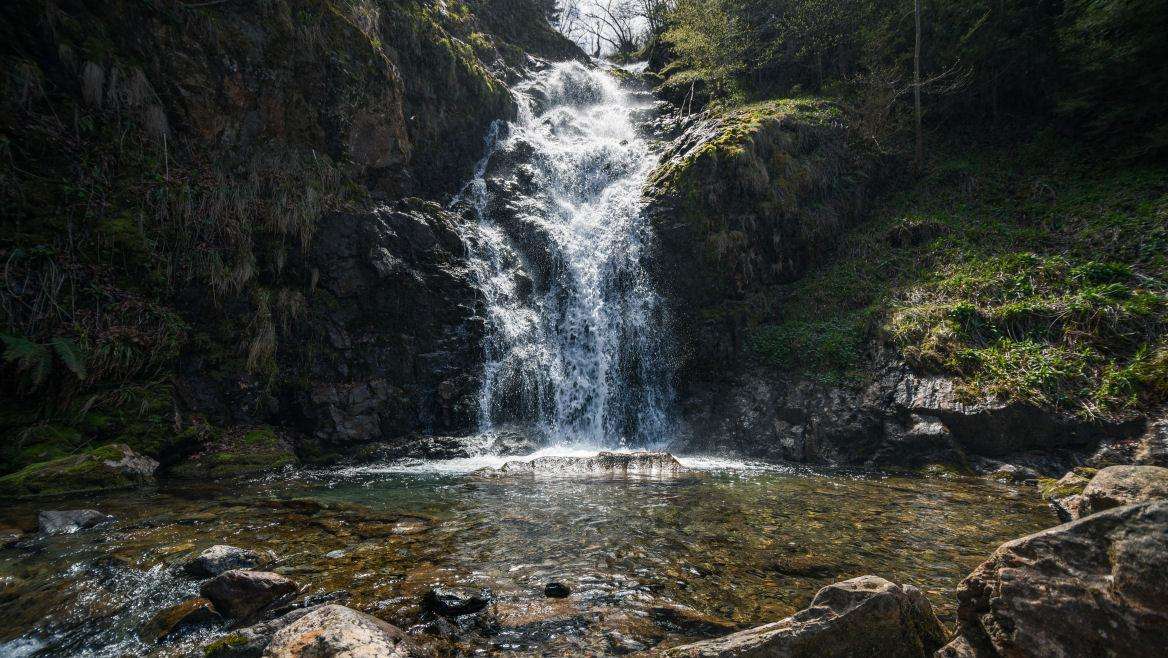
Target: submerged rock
x,y
455,601
178,618
220,558
556,590
57,522
241,593
603,464
865,616
114,466
1093,587
336,631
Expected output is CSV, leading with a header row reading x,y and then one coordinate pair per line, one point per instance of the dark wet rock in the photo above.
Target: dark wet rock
x,y
1116,486
179,618
604,464
219,558
509,441
336,631
455,601
689,621
620,644
109,467
9,536
241,593
556,590
56,522
806,566
865,616
900,419
1093,587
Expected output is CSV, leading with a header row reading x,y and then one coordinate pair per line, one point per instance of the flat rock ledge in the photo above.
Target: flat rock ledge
x,y
603,464
865,616
1093,587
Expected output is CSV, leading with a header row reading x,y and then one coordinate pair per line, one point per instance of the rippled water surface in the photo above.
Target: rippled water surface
x,y
739,545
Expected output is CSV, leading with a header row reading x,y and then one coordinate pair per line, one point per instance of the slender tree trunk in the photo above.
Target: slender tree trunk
x,y
920,154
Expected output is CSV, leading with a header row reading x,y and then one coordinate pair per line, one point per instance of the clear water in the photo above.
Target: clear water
x,y
737,545
575,342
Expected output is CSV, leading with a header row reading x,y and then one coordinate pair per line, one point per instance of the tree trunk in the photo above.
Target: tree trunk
x,y
920,154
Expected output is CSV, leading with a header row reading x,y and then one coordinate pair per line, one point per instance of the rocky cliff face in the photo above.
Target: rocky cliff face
x,y
216,187
746,203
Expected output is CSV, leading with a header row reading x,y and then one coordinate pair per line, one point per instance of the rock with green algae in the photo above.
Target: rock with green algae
x,y
235,454
178,618
113,466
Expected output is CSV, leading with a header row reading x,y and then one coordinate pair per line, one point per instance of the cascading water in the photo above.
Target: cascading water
x,y
575,344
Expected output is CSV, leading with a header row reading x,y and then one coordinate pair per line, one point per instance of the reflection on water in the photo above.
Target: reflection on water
x,y
732,546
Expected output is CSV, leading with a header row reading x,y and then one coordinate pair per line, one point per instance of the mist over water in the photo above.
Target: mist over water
x,y
576,343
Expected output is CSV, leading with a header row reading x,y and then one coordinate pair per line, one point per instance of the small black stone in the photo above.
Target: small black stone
x,y
556,590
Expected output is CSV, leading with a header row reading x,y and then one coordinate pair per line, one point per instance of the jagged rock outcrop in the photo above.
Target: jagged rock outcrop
x,y
865,616
1093,587
900,419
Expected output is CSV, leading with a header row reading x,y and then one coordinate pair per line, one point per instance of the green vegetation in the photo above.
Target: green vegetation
x,y
233,453
1028,272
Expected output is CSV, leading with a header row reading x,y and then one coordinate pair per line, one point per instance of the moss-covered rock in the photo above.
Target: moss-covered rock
x,y
237,452
744,200
114,466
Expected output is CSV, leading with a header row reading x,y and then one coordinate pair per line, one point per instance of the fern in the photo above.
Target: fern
x,y
33,359
71,356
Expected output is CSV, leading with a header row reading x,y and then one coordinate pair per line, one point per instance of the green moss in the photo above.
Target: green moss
x,y
73,474
1071,484
224,645
236,453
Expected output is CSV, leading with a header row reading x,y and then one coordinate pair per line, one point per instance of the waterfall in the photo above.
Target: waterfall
x,y
576,344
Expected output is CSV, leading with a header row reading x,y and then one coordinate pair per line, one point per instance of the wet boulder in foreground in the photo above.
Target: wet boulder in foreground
x,y
241,593
334,630
865,616
603,464
1093,587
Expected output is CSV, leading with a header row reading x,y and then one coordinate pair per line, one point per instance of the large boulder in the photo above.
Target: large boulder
x,y
57,522
241,593
219,558
114,466
1116,486
1093,587
865,616
334,631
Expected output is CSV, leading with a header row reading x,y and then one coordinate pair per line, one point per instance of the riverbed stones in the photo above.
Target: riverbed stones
x,y
602,464
455,601
58,522
334,631
178,618
865,616
1093,587
219,558
241,593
